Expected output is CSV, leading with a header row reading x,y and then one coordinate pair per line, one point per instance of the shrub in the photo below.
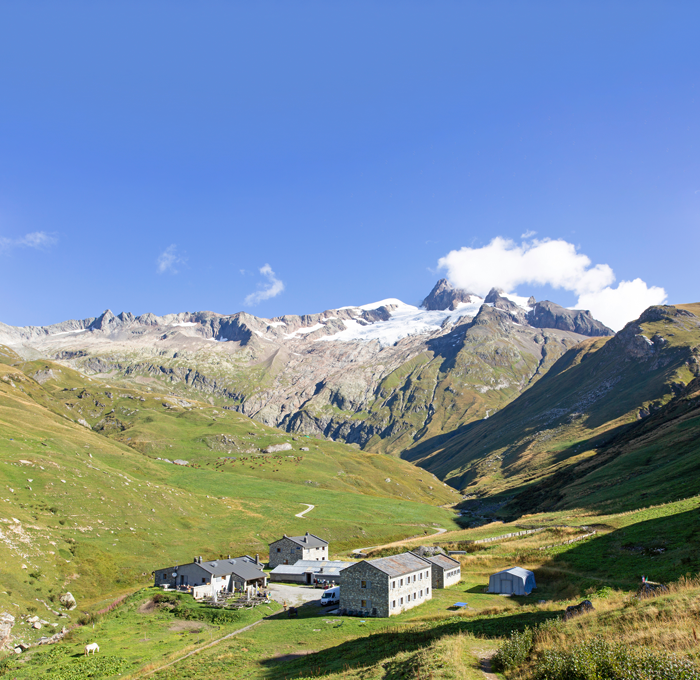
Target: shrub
x,y
600,659
515,650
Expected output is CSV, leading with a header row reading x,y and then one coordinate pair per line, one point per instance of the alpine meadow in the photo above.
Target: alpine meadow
x,y
438,414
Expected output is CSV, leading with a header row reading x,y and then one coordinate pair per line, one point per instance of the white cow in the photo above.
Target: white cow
x,y
93,647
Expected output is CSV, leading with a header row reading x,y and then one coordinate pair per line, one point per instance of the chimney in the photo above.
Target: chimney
x,y
257,559
200,559
229,556
195,560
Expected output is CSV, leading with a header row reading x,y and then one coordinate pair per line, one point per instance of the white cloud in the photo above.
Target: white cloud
x,y
38,240
169,259
528,234
506,264
273,289
616,306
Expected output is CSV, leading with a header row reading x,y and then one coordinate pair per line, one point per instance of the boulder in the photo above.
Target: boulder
x,y
36,625
274,448
68,601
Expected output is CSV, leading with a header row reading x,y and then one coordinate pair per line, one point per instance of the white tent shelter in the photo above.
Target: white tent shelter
x,y
514,581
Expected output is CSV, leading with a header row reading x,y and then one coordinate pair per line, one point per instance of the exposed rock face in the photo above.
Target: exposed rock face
x,y
550,315
7,621
68,601
275,448
445,296
381,376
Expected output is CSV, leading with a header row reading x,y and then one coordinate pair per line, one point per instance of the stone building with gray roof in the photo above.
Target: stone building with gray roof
x,y
385,586
446,570
204,579
291,549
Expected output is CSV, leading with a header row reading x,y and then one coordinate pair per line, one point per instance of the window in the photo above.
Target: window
x,y
420,576
204,580
279,549
363,603
414,578
421,593
427,590
401,601
415,595
401,582
393,585
363,584
393,604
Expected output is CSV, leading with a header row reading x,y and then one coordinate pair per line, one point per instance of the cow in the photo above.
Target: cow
x,y
93,647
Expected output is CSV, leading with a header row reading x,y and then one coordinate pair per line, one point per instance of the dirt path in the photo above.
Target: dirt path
x,y
401,542
196,651
303,512
487,668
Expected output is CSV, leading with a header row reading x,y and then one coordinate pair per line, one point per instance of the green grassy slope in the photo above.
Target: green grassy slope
x,y
591,414
96,513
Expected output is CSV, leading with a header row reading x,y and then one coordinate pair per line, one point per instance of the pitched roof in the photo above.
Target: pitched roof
x,y
442,561
240,567
397,565
306,541
330,568
515,571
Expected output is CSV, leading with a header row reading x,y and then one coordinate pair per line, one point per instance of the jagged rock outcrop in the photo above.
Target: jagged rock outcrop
x,y
445,296
550,315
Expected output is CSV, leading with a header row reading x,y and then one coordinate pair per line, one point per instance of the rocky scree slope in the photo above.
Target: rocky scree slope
x,y
382,376
614,421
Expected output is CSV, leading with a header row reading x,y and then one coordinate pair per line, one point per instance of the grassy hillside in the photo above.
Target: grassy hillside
x,y
436,639
95,511
613,421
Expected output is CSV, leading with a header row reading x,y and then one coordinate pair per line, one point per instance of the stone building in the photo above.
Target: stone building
x,y
385,586
291,549
446,570
205,579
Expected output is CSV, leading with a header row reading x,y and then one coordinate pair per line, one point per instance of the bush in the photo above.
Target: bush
x,y
515,650
600,659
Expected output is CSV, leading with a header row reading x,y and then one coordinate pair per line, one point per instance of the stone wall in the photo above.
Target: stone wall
x,y
364,588
284,551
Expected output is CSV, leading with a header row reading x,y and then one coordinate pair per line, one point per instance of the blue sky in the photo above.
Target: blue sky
x,y
156,156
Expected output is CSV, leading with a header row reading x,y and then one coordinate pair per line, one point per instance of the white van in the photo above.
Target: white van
x,y
330,596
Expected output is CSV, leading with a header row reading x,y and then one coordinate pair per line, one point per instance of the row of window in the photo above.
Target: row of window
x,y
411,579
410,597
454,572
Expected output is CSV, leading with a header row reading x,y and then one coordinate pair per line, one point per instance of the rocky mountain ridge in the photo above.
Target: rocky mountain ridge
x,y
382,375
611,413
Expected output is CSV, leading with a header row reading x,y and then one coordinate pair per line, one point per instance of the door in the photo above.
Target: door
x,y
506,587
183,580
308,579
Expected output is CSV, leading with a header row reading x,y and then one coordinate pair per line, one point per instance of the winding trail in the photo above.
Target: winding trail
x,y
486,667
303,512
401,542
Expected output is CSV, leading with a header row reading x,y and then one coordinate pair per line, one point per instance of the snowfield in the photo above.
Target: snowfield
x,y
405,320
